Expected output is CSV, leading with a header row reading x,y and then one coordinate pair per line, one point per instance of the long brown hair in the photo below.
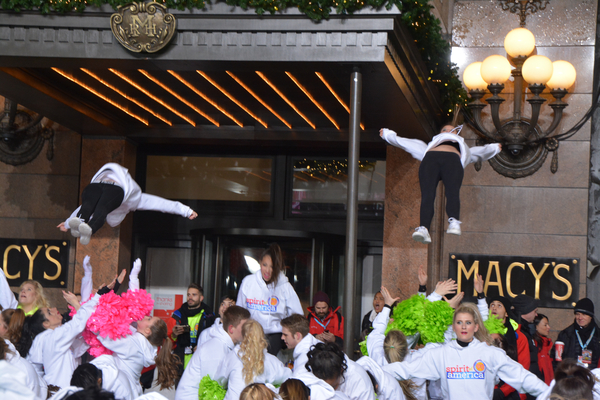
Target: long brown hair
x,y
252,350
166,362
14,320
257,391
274,251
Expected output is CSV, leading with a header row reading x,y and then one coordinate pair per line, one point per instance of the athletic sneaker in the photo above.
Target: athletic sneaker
x,y
454,226
74,226
421,235
86,233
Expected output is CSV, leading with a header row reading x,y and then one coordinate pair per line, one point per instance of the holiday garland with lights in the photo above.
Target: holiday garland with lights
x,y
416,17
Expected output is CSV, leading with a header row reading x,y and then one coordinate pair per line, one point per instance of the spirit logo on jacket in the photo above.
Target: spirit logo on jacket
x,y
269,305
477,371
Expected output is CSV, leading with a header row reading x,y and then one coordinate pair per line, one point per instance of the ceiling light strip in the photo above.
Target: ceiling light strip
x,y
153,97
235,78
205,97
126,97
337,97
258,176
230,97
311,98
268,82
100,95
178,97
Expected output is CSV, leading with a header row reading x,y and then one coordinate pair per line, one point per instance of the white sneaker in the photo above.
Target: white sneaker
x,y
74,226
421,235
454,226
86,233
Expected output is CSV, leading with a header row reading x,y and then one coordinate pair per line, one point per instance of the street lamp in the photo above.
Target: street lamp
x,y
525,143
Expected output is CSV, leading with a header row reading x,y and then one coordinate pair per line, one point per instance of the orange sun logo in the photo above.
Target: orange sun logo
x,y
479,366
273,301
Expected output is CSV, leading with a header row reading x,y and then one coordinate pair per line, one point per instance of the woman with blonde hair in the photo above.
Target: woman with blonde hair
x,y
250,363
468,366
31,296
257,391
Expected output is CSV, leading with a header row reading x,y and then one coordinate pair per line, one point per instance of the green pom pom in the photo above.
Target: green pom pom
x,y
210,390
438,315
495,325
363,348
408,315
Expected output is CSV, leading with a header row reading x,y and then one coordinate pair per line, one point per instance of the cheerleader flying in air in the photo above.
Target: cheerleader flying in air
x,y
442,159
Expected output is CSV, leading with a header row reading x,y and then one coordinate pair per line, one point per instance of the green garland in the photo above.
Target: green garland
x,y
416,17
210,390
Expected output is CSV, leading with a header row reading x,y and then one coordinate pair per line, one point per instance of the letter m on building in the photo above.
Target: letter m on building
x,y
137,25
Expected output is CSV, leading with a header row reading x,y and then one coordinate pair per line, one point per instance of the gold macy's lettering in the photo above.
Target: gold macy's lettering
x,y
32,258
495,267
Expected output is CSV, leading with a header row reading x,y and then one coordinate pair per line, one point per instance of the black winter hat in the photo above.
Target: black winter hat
x,y
524,304
585,306
505,302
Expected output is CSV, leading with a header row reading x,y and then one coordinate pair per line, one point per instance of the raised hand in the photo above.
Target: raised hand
x,y
389,300
455,301
422,274
478,283
446,287
87,267
193,215
137,267
62,227
121,276
71,299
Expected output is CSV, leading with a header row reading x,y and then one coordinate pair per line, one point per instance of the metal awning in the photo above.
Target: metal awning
x,y
228,74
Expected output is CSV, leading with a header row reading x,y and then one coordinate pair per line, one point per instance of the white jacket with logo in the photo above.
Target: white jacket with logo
x,y
205,361
230,376
418,148
468,372
133,198
268,304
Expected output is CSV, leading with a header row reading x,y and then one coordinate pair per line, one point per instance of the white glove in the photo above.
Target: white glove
x,y
137,267
87,267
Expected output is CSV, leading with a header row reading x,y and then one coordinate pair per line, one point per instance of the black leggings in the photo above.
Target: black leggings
x,y
97,201
440,166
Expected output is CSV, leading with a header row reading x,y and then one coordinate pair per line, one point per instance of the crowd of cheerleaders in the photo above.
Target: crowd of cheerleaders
x,y
457,357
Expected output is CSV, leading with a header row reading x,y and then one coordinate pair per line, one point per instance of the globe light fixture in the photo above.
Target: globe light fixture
x,y
525,145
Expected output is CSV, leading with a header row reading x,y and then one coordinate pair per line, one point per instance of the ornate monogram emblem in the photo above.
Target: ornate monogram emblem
x,y
143,26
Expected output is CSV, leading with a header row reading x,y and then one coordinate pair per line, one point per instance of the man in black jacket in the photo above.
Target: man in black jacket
x,y
191,319
582,338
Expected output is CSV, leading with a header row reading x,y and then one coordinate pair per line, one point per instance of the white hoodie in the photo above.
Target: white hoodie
x,y
319,389
205,361
133,198
300,353
113,379
7,297
357,384
131,354
230,376
418,148
53,348
210,332
389,388
12,383
268,304
36,383
468,372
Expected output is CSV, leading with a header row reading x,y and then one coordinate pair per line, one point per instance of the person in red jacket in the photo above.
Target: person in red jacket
x,y
326,324
544,345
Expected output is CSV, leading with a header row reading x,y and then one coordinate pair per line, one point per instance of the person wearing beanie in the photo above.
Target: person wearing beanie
x,y
326,323
582,338
525,310
501,307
